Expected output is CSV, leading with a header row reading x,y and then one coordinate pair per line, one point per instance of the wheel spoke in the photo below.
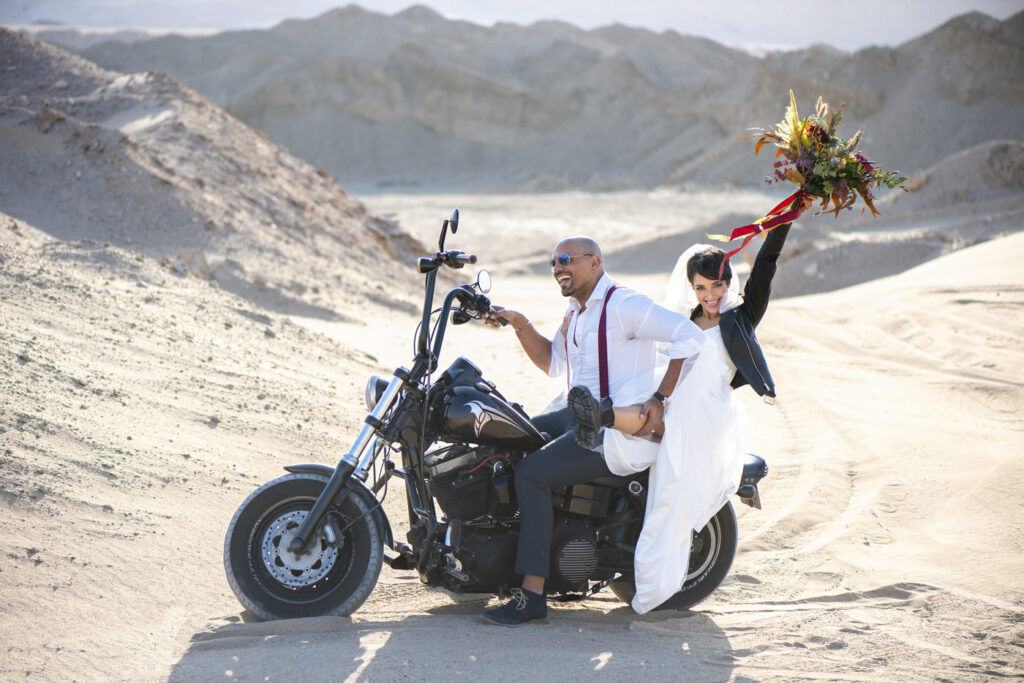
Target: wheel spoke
x,y
704,549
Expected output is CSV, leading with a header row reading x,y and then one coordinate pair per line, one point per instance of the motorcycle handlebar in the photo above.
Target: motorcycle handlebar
x,y
479,303
458,259
452,259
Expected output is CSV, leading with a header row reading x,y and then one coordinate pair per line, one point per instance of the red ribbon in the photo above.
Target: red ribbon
x,y
775,219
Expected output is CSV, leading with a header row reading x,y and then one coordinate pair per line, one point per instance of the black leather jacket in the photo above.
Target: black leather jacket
x,y
737,324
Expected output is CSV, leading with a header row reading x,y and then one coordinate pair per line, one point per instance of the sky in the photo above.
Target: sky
x,y
742,23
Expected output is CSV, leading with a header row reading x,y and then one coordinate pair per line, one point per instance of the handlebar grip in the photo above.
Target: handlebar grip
x,y
494,316
457,259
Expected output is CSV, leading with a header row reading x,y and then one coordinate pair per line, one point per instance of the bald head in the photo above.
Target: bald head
x,y
583,244
578,274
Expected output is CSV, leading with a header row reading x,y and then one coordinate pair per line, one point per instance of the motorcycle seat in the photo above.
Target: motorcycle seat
x,y
615,481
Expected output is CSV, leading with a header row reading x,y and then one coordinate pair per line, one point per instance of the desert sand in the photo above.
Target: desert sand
x,y
145,391
140,408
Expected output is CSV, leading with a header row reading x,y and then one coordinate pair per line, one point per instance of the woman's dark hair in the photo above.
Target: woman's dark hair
x,y
707,263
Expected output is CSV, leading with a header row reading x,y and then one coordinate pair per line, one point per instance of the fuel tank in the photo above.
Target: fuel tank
x,y
473,414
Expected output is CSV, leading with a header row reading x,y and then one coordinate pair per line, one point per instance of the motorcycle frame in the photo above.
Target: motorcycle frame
x,y
407,384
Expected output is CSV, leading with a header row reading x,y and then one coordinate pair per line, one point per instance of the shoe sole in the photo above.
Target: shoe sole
x,y
541,620
587,412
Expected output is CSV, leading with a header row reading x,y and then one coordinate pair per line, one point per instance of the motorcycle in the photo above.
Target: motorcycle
x,y
313,541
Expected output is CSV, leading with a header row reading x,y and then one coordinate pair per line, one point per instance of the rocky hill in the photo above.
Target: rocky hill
x,y
141,162
417,100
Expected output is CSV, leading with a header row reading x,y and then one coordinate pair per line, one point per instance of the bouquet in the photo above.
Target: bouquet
x,y
823,165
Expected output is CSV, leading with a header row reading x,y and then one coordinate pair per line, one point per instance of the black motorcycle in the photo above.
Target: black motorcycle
x,y
312,542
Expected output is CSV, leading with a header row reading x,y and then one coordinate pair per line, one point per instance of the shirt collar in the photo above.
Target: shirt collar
x,y
598,294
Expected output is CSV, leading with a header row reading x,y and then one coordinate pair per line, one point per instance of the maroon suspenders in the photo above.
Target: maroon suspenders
x,y
602,346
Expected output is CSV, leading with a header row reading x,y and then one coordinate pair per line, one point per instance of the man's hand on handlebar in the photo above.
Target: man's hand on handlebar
x,y
499,316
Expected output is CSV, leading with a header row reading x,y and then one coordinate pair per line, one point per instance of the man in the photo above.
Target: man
x,y
634,325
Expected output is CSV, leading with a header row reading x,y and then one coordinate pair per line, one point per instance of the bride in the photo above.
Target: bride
x,y
699,461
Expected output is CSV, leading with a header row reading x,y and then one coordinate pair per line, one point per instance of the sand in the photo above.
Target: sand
x,y
143,398
133,427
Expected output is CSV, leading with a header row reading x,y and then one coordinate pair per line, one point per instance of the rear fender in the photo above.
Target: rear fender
x,y
356,487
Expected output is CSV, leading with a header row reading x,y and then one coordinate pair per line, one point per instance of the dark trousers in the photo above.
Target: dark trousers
x,y
559,463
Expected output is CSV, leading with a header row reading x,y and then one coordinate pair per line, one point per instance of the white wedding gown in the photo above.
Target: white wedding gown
x,y
698,467
699,462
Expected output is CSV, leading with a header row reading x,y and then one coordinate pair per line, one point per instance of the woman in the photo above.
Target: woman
x,y
699,461
715,306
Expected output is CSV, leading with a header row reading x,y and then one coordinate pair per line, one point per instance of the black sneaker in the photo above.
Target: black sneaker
x,y
590,415
523,607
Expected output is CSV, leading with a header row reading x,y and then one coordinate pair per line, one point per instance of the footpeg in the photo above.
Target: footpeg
x,y
749,494
400,562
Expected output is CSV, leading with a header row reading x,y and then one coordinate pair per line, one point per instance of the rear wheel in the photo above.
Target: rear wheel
x,y
711,555
329,578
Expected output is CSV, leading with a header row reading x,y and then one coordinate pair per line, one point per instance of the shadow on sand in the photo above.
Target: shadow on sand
x,y
451,641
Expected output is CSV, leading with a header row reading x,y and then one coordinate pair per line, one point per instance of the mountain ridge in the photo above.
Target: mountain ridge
x,y
418,100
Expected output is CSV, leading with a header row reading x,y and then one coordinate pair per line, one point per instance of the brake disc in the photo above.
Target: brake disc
x,y
296,571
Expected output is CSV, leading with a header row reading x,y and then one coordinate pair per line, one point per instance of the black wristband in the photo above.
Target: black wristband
x,y
659,397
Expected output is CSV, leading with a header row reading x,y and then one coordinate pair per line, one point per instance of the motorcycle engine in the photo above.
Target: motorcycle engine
x,y
487,555
573,556
469,482
474,482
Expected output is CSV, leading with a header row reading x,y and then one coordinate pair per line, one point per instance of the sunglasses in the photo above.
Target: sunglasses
x,y
565,259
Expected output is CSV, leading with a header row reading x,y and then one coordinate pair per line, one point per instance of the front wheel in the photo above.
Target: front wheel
x,y
711,555
330,578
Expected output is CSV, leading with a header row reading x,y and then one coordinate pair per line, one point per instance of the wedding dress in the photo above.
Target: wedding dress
x,y
699,462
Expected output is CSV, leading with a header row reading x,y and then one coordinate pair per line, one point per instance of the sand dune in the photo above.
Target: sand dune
x,y
142,162
141,403
132,429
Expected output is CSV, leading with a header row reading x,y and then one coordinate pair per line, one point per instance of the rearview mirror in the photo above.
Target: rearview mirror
x,y
483,281
452,223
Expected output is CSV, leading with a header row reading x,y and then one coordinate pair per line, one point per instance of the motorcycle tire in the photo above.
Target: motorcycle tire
x,y
328,579
711,556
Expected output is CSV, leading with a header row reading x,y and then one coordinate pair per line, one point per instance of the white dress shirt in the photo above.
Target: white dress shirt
x,y
635,326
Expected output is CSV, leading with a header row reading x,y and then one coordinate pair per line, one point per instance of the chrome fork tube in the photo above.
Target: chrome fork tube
x,y
362,470
367,433
357,454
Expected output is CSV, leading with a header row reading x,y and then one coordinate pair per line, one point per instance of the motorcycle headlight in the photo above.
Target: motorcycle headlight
x,y
374,390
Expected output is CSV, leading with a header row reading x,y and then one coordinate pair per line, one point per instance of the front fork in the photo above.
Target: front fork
x,y
357,459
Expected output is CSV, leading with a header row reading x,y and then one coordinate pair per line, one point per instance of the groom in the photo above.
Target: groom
x,y
633,325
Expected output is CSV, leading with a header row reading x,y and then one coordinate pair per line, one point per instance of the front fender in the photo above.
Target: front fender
x,y
358,488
